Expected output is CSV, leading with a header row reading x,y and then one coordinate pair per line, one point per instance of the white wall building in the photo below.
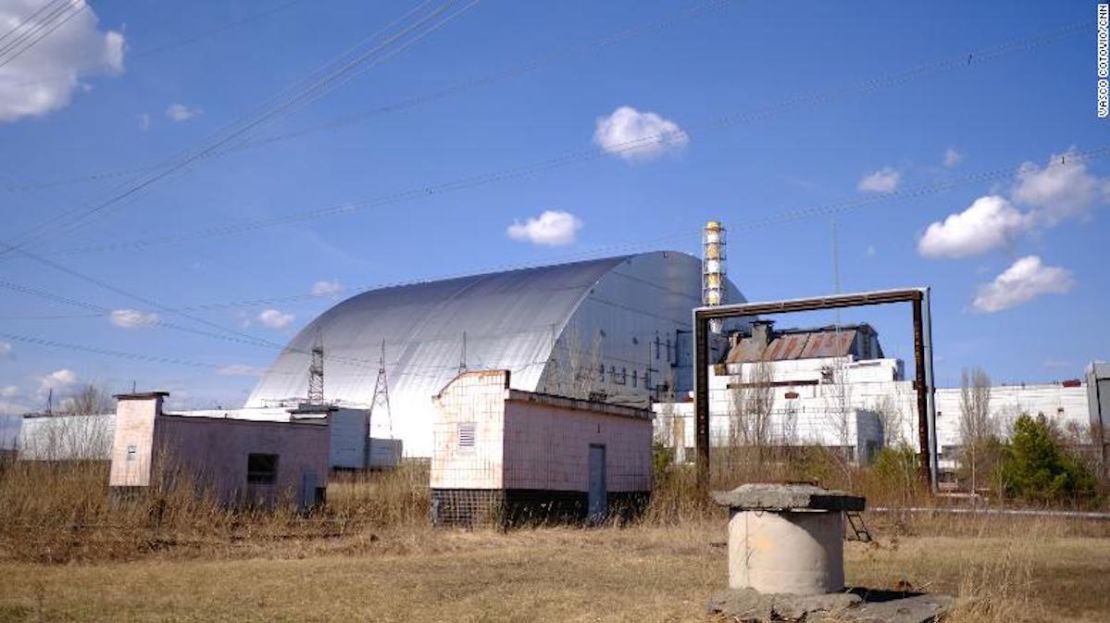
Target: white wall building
x,y
833,387
502,454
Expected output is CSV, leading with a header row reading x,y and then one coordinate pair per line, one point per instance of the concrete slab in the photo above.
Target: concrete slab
x,y
853,606
785,498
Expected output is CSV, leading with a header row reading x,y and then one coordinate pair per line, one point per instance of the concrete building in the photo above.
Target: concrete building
x,y
834,387
236,461
89,437
615,330
792,388
503,454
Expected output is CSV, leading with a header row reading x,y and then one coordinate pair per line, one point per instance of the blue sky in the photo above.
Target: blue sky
x,y
1015,255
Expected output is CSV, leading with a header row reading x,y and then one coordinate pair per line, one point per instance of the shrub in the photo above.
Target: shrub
x,y
1034,467
895,473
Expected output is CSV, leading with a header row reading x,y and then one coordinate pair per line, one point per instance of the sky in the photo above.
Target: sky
x,y
188,184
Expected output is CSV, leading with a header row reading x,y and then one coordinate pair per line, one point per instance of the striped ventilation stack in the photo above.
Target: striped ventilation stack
x,y
713,268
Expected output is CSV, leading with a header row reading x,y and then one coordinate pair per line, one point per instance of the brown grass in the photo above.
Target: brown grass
x,y
67,554
548,574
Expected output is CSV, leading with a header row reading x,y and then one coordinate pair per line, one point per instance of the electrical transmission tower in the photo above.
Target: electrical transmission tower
x,y
381,393
316,373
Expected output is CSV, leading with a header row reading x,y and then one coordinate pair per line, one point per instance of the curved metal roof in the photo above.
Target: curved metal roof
x,y
510,320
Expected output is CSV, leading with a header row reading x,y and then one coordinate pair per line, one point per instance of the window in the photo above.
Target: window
x,y
466,434
634,378
262,469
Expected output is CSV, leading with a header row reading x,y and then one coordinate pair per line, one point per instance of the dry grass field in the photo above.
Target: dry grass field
x,y
1032,572
67,554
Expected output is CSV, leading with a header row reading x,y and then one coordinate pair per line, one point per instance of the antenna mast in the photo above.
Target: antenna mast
x,y
381,393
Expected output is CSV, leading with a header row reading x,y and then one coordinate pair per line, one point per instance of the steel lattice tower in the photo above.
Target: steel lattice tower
x,y
316,373
381,393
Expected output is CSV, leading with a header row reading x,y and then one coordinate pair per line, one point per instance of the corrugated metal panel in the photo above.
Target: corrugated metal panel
x,y
510,319
350,432
67,437
829,344
515,320
384,453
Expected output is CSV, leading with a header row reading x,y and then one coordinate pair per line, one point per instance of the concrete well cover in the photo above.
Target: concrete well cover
x,y
781,497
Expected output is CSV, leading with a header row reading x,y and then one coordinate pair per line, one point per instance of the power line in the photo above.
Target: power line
x,y
181,42
579,156
419,100
330,77
27,40
30,18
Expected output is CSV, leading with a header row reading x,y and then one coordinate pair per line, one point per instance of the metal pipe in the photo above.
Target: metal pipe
x,y
921,386
701,399
1016,512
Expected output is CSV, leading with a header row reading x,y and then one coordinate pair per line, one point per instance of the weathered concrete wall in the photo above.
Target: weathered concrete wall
x,y
211,454
799,553
215,453
528,441
473,402
547,446
133,440
66,438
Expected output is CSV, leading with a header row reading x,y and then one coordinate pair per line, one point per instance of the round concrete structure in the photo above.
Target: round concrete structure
x,y
800,553
786,539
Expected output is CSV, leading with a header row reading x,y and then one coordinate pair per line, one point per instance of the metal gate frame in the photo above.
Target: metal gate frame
x,y
922,350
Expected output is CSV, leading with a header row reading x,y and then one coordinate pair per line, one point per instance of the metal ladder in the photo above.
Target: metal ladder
x,y
857,527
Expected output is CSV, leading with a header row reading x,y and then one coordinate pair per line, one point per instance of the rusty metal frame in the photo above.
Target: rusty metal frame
x,y
922,349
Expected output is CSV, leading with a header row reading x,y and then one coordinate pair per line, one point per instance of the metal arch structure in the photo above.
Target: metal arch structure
x,y
918,298
628,313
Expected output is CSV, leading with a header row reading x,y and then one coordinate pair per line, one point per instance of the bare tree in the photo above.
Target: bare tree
x,y
837,395
890,413
977,424
752,404
576,374
88,400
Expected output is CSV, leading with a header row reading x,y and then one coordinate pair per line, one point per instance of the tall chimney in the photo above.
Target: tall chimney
x,y
713,268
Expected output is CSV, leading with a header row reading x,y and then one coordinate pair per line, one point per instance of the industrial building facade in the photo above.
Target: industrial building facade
x,y
502,455
235,461
614,330
833,387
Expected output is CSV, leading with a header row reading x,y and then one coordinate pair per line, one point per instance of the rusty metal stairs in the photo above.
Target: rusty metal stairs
x,y
856,529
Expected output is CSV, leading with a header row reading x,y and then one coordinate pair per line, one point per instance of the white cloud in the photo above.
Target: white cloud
x,y
275,319
871,252
1062,189
181,112
44,77
132,318
240,370
9,391
5,349
989,223
952,157
885,180
144,121
635,135
327,288
1022,282
1056,363
552,228
57,380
